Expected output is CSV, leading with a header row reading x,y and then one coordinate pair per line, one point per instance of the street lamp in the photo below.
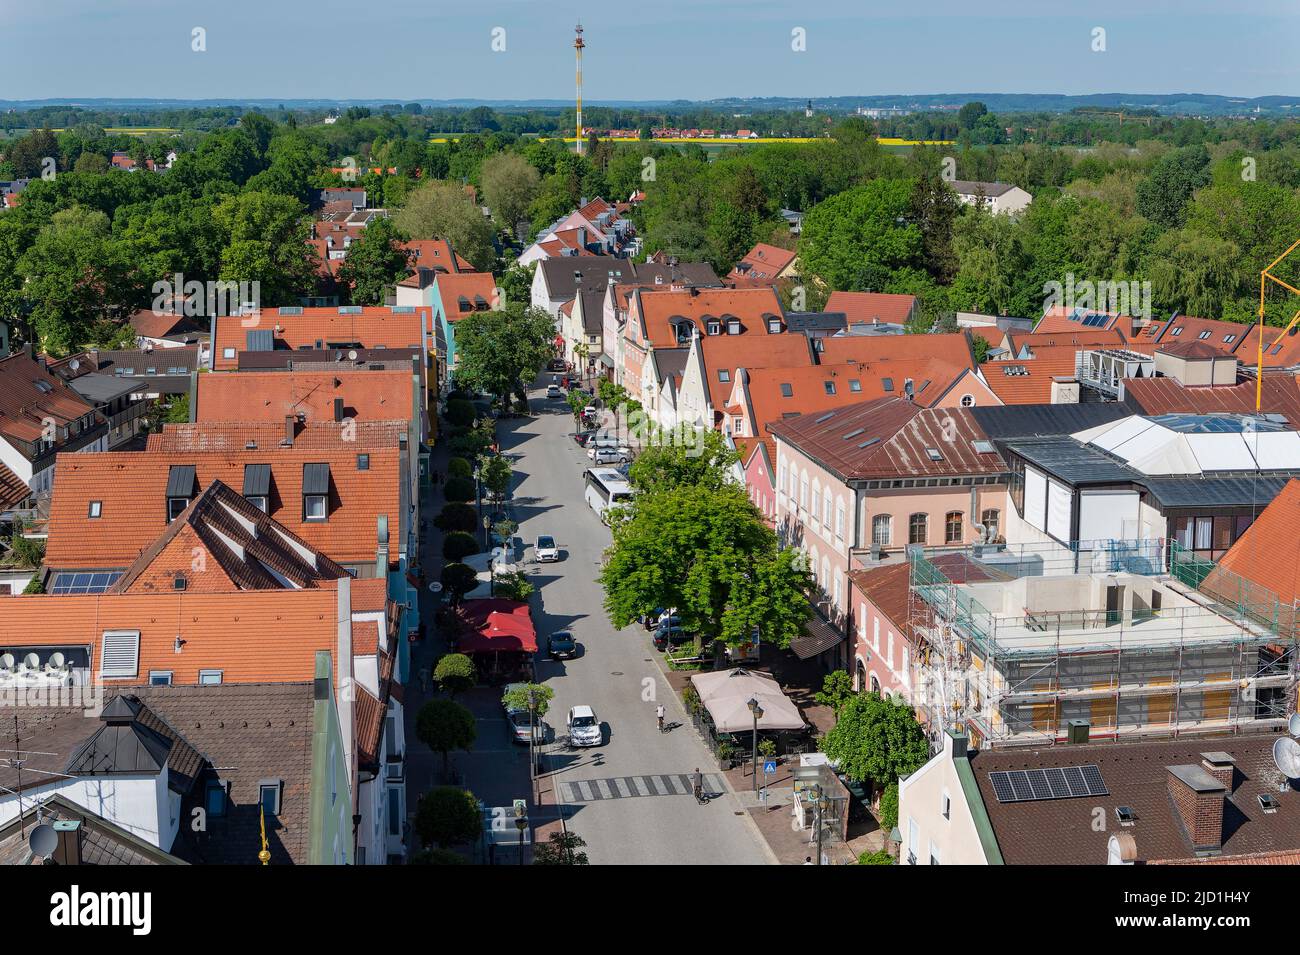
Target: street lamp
x,y
757,710
487,522
532,739
521,823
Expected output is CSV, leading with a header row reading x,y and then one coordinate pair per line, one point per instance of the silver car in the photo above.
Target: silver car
x,y
545,550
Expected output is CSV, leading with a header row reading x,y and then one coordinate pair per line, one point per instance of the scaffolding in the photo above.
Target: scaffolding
x,y
1136,639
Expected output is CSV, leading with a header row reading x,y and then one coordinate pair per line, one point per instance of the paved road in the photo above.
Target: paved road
x,y
628,798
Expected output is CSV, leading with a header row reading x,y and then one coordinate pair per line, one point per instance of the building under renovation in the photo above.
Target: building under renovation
x,y
1101,640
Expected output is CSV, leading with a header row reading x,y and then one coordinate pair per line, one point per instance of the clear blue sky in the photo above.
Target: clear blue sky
x,y
643,49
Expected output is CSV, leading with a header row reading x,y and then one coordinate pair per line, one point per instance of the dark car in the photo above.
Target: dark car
x,y
669,632
556,364
561,644
582,438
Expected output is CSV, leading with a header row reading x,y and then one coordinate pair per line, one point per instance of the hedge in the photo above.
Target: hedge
x,y
456,516
458,545
458,489
459,467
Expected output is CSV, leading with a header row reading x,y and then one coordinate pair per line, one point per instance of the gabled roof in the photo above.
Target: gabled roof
x,y
764,262
1070,338
1225,337
969,187
30,396
726,353
241,549
435,254
659,309
292,328
1279,395
251,396
951,349
12,489
1277,354
131,487
101,842
1268,554
891,438
464,293
872,306
1029,382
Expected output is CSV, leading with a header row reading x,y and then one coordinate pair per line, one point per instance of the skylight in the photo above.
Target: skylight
x,y
933,454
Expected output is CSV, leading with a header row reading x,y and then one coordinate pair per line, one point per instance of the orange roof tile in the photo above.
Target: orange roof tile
x,y
763,261
1029,382
1268,554
270,396
1277,354
460,291
1224,336
869,306
30,397
377,327
729,352
951,349
659,307
131,487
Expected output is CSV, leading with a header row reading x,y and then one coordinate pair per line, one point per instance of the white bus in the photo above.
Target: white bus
x,y
606,488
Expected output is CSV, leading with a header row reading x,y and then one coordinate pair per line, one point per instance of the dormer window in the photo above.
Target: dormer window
x,y
95,509
714,327
733,326
774,326
829,386
315,492
257,485
724,375
1176,332
180,489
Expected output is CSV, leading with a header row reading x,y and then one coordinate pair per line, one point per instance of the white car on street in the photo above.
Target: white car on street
x,y
552,391
584,728
619,455
545,549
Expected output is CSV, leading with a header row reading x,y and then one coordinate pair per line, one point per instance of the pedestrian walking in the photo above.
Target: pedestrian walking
x,y
699,785
659,712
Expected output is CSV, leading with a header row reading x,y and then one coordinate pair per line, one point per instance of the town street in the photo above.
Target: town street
x,y
616,673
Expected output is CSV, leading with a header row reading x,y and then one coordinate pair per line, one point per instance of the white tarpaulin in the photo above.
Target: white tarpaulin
x,y
726,695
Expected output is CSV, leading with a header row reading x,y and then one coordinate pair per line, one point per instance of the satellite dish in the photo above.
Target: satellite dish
x,y
74,364
43,841
1293,724
352,354
1286,756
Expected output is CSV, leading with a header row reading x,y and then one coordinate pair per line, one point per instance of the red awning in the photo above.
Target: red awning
x,y
496,625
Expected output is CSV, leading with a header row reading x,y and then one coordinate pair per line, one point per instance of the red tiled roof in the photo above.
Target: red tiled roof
x,y
1186,328
866,306
12,489
729,352
1283,354
1085,338
763,261
1029,382
891,438
1280,394
1268,554
370,328
658,307
30,397
889,588
132,488
951,349
270,396
452,288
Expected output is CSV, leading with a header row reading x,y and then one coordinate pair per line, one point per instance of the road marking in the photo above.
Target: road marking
x,y
627,787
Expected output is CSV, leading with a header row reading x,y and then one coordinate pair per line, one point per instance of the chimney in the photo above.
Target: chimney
x,y
338,409
67,851
1222,766
1198,800
290,423
582,237
1065,391
954,743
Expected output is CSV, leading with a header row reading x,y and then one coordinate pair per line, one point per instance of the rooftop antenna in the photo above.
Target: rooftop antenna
x,y
578,46
1286,757
43,841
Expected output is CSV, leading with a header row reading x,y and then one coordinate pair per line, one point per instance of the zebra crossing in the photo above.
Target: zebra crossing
x,y
628,787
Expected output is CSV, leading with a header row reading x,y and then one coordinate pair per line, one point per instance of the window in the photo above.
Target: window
x,y
803,492
227,353
882,530
774,326
946,805
314,507
1229,339
968,401
1204,531
214,799
1176,332
210,677
816,504
394,811
829,386
786,390
855,385
268,794
95,509
875,640
991,519
724,375
952,528
119,655
363,462
160,677
737,424
918,530
714,328
1204,335
176,506
733,326
826,512
839,519
934,853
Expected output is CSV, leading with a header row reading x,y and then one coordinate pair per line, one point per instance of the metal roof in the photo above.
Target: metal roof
x,y
1026,421
180,480
315,479
257,480
1071,461
1242,491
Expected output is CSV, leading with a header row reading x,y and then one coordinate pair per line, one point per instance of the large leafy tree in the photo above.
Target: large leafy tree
x,y
444,725
684,459
447,816
707,552
510,185
876,740
855,240
501,350
1163,195
375,262
444,210
267,243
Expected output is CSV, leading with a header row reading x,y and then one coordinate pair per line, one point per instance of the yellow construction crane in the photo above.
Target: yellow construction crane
x,y
1265,277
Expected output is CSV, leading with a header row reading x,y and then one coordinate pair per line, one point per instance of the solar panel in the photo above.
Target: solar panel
x,y
1054,782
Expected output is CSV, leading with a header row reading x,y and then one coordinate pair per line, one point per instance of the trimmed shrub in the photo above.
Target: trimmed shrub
x,y
458,489
459,467
460,412
458,545
456,516
458,579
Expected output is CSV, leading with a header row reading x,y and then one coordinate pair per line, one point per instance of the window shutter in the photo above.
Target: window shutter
x,y
120,654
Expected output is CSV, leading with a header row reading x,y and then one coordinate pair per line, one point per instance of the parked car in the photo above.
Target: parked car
x,y
553,391
556,364
669,632
619,455
652,620
522,725
584,728
545,549
601,441
561,644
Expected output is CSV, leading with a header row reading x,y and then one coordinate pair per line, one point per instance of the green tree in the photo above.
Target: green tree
x,y
876,739
876,857
444,725
443,210
458,545
857,239
1163,195
267,243
495,473
888,809
461,413
528,696
708,553
562,848
456,516
459,467
689,458
501,350
178,411
458,579
837,688
970,114
455,672
448,816
510,185
375,263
